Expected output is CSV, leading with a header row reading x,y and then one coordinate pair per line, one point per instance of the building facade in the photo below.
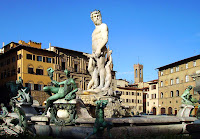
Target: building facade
x,y
31,62
152,105
174,78
132,99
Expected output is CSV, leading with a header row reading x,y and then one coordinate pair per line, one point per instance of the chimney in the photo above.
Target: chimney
x,y
49,45
3,44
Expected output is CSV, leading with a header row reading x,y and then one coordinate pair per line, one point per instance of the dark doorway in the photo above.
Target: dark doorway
x,y
162,111
170,111
154,111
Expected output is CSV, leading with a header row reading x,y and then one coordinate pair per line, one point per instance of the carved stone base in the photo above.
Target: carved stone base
x,y
113,109
185,110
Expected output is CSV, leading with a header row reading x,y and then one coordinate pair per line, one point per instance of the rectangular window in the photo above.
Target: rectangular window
x,y
161,73
8,61
63,66
39,71
161,84
35,86
171,70
33,57
147,103
13,59
177,80
132,93
186,66
30,70
171,82
5,74
75,68
13,72
18,70
44,59
38,87
126,93
186,78
138,94
53,60
153,87
48,60
2,75
39,58
19,56
29,85
177,68
194,63
29,56
132,100
8,74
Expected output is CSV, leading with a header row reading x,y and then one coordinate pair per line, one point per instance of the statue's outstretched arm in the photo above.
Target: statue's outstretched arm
x,y
55,83
63,82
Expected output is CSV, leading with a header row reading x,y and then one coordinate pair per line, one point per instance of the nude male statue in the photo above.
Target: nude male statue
x,y
97,59
68,91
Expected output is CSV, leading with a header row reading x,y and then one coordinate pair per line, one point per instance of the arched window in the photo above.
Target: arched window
x,y
140,73
171,94
39,70
170,110
177,93
30,69
162,110
136,74
30,85
161,95
8,72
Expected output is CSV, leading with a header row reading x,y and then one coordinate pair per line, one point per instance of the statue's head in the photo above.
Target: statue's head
x,y
67,72
189,87
96,17
12,103
2,105
50,72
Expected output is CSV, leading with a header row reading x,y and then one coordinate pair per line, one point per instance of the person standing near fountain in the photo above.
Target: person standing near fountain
x,y
99,50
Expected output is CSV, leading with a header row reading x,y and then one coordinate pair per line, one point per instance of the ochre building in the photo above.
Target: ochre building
x,y
31,62
174,78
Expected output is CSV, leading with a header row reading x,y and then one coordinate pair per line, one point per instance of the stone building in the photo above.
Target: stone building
x,y
152,97
173,80
75,62
31,62
132,99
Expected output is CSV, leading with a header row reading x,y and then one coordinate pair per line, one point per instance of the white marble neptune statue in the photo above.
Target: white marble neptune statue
x,y
101,74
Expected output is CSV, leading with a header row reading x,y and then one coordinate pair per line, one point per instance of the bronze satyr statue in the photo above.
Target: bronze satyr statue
x,y
68,91
100,124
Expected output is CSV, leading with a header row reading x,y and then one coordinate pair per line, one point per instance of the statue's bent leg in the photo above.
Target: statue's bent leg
x,y
50,89
50,101
102,71
69,96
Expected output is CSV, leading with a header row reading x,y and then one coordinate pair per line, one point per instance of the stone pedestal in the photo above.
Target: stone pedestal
x,y
185,110
28,109
113,109
40,120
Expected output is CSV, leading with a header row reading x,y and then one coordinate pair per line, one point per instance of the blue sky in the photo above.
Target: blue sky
x,y
157,32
